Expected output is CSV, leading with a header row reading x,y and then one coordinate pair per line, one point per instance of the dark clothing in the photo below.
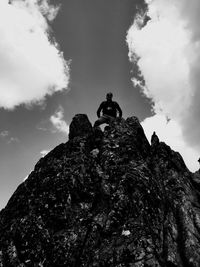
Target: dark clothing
x,y
109,108
103,119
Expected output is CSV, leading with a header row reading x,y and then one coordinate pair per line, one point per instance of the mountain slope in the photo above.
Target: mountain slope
x,y
104,199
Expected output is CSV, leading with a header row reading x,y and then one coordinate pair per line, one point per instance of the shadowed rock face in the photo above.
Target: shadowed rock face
x,y
104,199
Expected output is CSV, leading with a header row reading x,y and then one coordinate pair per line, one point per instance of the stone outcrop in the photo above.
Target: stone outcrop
x,y
104,199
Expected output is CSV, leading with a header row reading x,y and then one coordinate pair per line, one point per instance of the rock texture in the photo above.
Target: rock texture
x,y
104,199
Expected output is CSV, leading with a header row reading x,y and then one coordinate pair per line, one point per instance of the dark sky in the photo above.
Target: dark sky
x,y
92,35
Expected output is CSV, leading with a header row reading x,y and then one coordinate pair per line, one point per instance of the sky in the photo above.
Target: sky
x,y
60,57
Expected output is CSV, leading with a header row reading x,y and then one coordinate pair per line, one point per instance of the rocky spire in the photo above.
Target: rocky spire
x,y
80,126
104,198
154,140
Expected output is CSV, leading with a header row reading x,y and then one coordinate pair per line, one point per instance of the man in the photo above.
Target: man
x,y
109,110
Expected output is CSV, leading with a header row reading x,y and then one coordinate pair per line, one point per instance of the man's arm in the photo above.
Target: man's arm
x,y
99,110
119,109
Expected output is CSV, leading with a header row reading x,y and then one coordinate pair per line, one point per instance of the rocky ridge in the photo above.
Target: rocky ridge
x,y
104,198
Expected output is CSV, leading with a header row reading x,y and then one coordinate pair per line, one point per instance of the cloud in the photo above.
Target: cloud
x,y
57,119
4,134
44,153
170,132
167,51
42,128
25,178
31,64
13,140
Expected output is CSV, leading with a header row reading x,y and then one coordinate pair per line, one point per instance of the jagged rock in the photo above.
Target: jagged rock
x,y
154,140
104,199
80,126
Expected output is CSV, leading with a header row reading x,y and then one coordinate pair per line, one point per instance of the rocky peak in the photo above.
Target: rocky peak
x,y
80,126
104,198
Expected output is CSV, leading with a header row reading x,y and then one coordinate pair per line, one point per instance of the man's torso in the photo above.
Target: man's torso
x,y
109,108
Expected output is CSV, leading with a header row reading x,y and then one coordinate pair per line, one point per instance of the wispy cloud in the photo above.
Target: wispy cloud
x,y
44,153
13,140
31,64
167,51
58,122
42,128
25,178
4,133
8,138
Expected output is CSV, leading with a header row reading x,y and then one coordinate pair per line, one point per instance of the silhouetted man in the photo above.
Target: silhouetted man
x,y
109,111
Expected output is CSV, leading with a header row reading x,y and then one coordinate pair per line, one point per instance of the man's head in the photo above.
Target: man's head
x,y
109,96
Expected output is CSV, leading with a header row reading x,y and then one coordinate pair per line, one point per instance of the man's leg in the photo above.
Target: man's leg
x,y
110,119
101,120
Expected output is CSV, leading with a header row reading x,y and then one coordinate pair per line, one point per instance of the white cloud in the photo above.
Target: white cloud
x,y
57,119
25,178
13,140
44,153
167,51
31,64
171,133
4,134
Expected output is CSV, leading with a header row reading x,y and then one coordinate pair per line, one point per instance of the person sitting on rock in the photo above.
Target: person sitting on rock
x,y
109,111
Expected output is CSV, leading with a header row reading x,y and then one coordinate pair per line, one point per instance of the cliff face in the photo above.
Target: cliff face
x,y
104,199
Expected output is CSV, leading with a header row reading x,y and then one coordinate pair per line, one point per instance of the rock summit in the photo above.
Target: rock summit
x,y
104,198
